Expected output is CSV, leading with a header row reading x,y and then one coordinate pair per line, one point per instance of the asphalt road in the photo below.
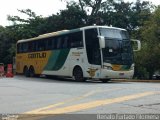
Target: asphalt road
x,y
77,100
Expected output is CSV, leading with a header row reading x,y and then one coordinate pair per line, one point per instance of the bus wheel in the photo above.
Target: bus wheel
x,y
78,74
31,72
26,71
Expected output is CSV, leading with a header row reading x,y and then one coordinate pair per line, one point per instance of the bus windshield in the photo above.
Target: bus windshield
x,y
118,48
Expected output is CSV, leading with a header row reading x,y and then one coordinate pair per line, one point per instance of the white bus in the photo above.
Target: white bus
x,y
92,52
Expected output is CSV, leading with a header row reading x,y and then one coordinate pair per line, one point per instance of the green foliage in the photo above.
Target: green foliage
x,y
72,17
149,56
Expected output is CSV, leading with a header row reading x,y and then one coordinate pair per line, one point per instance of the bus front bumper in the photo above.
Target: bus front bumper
x,y
110,74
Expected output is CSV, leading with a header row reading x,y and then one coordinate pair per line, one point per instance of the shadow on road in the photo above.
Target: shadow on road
x,y
64,80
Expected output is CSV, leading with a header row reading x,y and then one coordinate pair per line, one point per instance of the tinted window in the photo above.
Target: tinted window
x,y
71,40
41,45
65,42
114,33
18,48
59,42
76,40
48,44
92,46
24,47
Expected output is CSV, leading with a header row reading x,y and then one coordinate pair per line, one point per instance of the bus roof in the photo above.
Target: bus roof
x,y
47,35
95,26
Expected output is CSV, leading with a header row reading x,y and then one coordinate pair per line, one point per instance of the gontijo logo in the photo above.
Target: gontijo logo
x,y
37,55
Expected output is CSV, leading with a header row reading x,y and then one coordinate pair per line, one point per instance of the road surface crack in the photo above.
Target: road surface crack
x,y
146,106
153,104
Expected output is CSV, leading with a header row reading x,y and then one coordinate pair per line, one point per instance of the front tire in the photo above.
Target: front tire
x,y
78,74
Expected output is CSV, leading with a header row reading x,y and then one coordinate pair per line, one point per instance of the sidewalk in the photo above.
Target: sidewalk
x,y
132,80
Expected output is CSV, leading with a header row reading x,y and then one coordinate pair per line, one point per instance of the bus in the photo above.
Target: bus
x,y
91,52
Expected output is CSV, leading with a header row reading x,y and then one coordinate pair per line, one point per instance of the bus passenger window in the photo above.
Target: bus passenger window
x,y
76,40
59,43
33,46
30,47
24,47
48,44
54,43
65,43
18,48
41,45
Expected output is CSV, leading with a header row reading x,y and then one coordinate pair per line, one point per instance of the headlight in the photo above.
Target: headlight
x,y
132,67
107,67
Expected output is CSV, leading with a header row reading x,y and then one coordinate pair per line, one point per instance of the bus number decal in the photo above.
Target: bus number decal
x,y
37,55
77,53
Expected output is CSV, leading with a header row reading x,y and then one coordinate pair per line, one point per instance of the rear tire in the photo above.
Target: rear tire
x,y
26,71
31,72
78,74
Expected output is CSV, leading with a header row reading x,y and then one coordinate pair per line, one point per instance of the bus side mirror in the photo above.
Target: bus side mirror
x,y
101,42
136,45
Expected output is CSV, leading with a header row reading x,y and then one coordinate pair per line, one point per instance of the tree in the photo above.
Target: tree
x,y
21,29
94,5
149,57
5,44
26,28
1,43
72,17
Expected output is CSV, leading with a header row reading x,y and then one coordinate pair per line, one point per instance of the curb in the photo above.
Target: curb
x,y
150,81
